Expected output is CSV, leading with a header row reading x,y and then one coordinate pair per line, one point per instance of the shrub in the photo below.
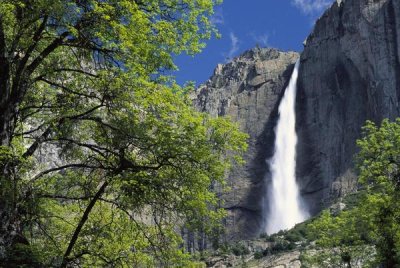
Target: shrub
x,y
264,235
239,249
259,255
282,246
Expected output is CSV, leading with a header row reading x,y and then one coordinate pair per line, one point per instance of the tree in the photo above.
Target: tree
x,y
87,79
340,240
374,222
379,164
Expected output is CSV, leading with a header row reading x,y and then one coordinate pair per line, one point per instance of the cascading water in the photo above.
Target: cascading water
x,y
285,207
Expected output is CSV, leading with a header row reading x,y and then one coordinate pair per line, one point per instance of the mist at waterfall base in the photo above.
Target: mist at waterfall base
x,y
285,208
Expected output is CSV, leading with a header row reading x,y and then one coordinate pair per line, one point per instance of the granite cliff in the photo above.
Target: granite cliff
x,y
350,72
248,90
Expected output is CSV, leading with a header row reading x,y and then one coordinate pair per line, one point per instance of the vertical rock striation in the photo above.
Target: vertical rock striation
x,y
350,72
248,90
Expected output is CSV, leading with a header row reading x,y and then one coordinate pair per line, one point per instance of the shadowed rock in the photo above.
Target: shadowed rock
x,y
350,72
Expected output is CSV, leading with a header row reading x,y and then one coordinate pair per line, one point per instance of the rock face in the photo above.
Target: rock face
x,y
248,90
289,259
285,260
350,72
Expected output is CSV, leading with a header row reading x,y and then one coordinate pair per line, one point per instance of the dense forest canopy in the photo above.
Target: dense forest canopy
x,y
131,162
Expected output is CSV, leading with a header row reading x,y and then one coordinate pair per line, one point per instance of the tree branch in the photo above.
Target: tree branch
x,y
93,147
54,84
49,49
31,150
31,48
82,222
4,70
21,77
49,196
79,165
76,71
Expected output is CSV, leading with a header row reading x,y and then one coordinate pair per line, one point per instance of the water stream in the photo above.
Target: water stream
x,y
285,207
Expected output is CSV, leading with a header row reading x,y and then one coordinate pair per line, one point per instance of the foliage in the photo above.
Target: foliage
x,y
379,164
340,241
354,256
300,232
239,249
353,199
373,224
235,248
259,254
87,80
281,245
299,236
264,235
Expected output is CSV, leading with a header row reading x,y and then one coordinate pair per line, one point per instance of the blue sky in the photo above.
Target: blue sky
x,y
282,24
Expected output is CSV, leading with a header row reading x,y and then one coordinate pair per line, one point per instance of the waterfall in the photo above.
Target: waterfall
x,y
285,207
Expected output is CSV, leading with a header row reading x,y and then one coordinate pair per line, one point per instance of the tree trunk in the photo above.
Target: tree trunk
x,y
10,224
10,221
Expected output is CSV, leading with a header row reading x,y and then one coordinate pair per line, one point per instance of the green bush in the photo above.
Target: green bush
x,y
353,199
239,249
264,235
282,246
272,238
223,249
259,255
294,237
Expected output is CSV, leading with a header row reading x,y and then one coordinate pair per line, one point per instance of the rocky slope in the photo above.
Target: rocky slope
x,y
290,259
350,72
248,90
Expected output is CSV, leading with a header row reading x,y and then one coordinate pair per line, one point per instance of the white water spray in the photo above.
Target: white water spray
x,y
285,209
